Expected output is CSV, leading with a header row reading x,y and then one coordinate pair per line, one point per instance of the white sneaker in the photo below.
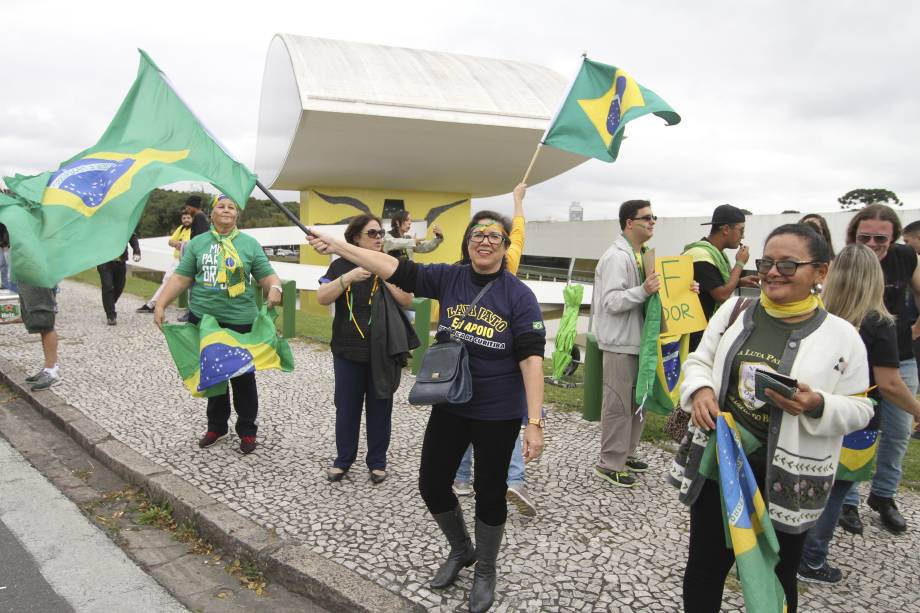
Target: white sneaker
x,y
517,494
462,488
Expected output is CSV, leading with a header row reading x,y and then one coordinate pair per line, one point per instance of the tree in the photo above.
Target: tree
x,y
791,211
746,212
859,198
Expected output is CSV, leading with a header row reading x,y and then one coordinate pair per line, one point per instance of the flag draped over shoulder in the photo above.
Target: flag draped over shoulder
x,y
601,101
660,360
208,356
83,214
749,529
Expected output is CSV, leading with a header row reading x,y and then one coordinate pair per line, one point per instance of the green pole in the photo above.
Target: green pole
x,y
594,380
183,300
422,308
259,298
289,304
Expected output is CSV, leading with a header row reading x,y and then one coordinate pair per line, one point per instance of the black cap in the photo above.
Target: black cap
x,y
194,201
725,214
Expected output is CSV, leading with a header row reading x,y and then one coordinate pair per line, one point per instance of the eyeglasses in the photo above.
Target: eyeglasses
x,y
646,218
880,239
786,268
494,238
374,233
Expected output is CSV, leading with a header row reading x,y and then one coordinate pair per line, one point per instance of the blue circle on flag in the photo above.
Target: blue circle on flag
x,y
229,262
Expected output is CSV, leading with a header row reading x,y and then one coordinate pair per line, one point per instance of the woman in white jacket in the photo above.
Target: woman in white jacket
x,y
793,445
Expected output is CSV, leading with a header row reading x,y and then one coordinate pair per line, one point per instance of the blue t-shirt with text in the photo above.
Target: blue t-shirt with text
x,y
507,310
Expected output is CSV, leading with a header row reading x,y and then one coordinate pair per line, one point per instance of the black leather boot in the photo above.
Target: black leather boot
x,y
461,553
891,517
488,542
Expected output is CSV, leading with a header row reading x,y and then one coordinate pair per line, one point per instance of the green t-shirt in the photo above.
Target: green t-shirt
x,y
208,297
762,350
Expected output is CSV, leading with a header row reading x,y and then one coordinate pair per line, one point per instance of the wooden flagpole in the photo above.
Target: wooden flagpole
x,y
533,160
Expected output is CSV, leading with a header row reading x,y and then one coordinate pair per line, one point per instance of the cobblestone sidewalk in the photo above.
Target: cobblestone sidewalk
x,y
591,548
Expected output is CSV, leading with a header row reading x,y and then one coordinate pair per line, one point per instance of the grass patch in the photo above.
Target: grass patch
x,y
133,285
248,574
157,516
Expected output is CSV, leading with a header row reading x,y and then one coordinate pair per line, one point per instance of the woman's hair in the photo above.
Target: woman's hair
x,y
820,225
855,285
817,246
356,227
398,218
478,217
875,211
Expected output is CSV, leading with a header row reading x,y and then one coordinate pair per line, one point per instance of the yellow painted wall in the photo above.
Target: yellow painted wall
x,y
336,205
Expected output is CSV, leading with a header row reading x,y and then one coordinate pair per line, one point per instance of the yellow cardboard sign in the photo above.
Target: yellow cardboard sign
x,y
681,308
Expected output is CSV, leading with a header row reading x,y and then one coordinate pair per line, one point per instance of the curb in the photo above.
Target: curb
x,y
284,561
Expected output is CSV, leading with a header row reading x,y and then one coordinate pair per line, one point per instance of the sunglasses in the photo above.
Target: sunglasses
x,y
880,239
786,268
374,233
645,218
494,238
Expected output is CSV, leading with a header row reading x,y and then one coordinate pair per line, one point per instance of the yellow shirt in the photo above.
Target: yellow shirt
x,y
182,234
516,249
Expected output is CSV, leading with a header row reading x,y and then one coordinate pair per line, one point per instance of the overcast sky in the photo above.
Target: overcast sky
x,y
786,104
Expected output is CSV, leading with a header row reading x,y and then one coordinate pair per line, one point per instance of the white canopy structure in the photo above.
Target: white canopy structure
x,y
351,114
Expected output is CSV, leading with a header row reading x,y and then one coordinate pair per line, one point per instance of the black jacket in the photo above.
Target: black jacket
x,y
392,338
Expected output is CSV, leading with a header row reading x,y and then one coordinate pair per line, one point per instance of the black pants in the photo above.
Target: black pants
x,y
245,396
709,560
112,275
446,440
354,394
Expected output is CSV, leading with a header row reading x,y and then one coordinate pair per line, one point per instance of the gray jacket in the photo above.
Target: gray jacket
x,y
618,304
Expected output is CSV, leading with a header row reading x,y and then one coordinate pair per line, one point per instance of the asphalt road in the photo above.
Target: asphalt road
x,y
53,559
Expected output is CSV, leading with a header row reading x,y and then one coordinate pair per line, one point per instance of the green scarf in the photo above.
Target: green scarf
x,y
704,251
230,266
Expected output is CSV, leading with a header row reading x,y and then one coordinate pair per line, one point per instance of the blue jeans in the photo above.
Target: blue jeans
x,y
895,429
818,539
354,394
515,470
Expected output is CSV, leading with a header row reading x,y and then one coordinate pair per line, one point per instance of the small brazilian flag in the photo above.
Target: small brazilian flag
x,y
601,101
82,214
208,356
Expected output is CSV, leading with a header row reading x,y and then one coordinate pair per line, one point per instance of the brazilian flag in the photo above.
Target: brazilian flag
x,y
857,455
82,214
601,101
208,356
749,531
661,357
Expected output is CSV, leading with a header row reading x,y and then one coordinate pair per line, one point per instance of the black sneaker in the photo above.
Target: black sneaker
x,y
183,318
144,309
636,465
111,321
849,520
826,574
618,478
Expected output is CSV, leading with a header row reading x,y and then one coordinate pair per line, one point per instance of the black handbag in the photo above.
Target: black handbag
x,y
444,374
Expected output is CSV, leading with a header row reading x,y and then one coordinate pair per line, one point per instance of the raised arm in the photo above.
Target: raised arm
x,y
376,262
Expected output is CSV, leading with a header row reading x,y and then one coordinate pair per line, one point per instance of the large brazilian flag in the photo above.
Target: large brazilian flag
x,y
207,356
749,530
82,214
601,101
